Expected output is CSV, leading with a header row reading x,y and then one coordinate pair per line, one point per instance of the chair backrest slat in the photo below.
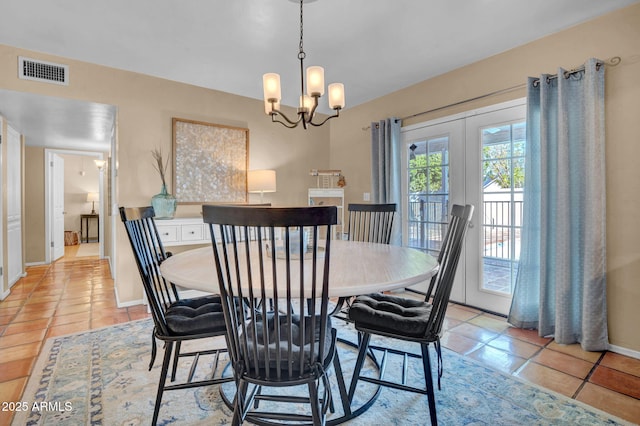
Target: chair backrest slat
x,y
448,258
371,222
149,254
271,285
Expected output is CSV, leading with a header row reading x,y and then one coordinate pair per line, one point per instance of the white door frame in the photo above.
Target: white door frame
x,y
462,185
48,179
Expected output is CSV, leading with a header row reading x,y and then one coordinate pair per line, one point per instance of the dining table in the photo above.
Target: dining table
x,y
355,268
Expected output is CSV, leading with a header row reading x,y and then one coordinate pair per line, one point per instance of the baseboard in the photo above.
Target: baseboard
x,y
624,351
5,294
35,264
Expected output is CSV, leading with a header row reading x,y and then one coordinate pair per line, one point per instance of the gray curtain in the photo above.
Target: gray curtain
x,y
560,288
385,169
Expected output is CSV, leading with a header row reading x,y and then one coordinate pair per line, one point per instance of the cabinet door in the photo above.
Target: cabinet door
x,y
168,234
191,233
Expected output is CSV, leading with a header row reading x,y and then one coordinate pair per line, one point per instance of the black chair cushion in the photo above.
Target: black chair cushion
x,y
285,331
391,314
199,315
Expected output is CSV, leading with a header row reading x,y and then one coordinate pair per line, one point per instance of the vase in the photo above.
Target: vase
x,y
164,204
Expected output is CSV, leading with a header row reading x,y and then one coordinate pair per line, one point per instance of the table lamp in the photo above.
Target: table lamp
x,y
92,197
261,181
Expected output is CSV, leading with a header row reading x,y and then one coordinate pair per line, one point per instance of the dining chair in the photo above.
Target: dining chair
x,y
411,320
175,320
371,222
291,342
367,223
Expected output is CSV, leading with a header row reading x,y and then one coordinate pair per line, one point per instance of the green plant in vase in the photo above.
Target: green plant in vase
x,y
164,204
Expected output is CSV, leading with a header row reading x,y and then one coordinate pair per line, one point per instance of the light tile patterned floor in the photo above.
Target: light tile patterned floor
x,y
76,294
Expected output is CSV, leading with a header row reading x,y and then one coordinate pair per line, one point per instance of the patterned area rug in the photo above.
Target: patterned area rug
x,y
100,377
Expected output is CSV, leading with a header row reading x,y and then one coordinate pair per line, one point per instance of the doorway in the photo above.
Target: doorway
x,y
74,194
471,158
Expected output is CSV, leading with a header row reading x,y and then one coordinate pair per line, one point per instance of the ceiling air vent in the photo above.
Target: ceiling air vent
x,y
46,72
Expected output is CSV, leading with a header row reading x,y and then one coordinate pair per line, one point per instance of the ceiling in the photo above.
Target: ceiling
x,y
374,47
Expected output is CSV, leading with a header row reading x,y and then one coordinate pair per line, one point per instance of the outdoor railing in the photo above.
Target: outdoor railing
x,y
501,228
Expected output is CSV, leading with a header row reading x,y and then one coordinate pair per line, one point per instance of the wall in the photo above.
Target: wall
x,y
34,217
615,34
146,106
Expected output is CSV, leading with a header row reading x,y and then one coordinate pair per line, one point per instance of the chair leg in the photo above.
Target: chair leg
x,y
314,400
154,350
163,378
342,388
364,345
239,408
426,363
176,358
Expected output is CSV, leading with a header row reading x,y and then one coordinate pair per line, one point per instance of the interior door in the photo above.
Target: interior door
x,y
14,207
57,201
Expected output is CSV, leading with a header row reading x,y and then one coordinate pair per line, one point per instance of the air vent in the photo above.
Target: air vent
x,y
46,72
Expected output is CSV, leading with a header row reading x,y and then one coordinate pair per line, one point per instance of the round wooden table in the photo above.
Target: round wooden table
x,y
355,268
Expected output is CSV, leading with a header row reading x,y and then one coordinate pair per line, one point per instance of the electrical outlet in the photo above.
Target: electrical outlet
x,y
366,196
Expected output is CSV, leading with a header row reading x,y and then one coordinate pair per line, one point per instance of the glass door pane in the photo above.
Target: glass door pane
x,y
428,198
495,148
503,180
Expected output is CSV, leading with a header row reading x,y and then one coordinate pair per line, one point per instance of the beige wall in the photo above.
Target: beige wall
x,y
145,108
34,217
616,34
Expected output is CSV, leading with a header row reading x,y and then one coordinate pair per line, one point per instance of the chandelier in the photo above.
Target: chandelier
x,y
308,101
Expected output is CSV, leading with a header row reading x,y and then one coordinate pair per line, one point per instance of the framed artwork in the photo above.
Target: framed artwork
x,y
209,162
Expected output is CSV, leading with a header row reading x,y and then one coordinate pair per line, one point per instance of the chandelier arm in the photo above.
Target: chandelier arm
x,y
280,114
337,114
288,126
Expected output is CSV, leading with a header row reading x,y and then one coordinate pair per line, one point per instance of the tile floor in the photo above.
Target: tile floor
x,y
76,294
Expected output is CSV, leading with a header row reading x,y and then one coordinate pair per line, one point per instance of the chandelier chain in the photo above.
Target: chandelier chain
x,y
301,54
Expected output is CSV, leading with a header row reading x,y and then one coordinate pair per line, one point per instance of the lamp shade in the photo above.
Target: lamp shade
x,y
336,96
261,181
315,81
92,197
271,86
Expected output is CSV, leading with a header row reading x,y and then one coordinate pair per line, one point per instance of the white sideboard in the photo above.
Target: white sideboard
x,y
183,231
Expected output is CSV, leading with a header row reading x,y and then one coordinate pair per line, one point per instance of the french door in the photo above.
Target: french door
x,y
472,158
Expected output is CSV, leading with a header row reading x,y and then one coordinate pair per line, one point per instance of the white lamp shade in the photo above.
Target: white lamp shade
x,y
336,95
92,197
315,81
271,86
261,181
100,163
306,102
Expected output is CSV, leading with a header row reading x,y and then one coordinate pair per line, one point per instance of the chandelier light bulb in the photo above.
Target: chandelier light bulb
x,y
271,87
315,81
336,96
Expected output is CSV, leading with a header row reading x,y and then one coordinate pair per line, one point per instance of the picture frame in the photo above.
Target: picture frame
x,y
210,162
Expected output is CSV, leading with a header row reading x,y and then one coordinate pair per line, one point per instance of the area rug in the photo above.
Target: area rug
x,y
100,377
88,249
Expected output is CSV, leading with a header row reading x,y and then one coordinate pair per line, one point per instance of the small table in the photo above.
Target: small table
x,y
356,268
84,219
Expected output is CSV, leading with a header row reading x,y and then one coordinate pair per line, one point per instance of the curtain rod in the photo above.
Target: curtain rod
x,y
610,62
